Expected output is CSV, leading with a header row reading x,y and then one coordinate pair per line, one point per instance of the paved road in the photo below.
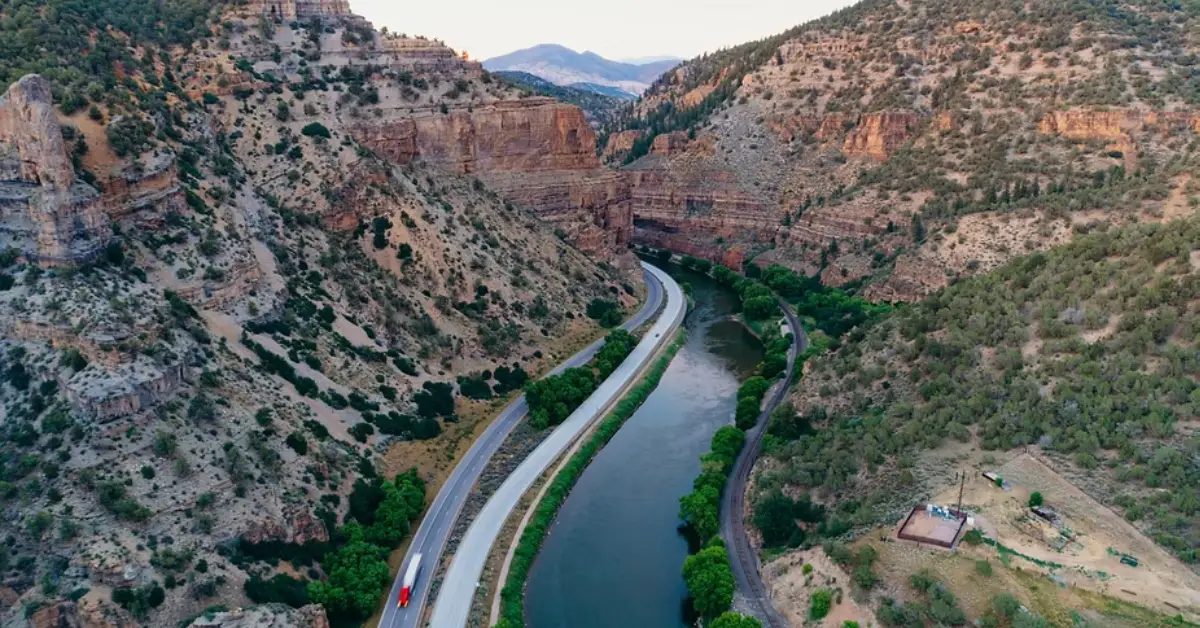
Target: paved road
x,y
430,538
453,604
743,558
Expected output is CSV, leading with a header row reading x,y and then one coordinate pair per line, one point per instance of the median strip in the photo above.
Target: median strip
x,y
509,609
460,586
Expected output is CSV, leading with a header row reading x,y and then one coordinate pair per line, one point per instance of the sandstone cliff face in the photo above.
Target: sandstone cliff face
x,y
620,143
44,212
152,184
535,151
878,135
300,9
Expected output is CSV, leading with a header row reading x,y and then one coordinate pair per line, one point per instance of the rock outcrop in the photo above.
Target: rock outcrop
x,y
44,212
878,135
620,143
266,616
301,9
149,184
535,151
299,526
109,393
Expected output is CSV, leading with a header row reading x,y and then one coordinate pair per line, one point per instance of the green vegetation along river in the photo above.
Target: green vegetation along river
x,y
613,556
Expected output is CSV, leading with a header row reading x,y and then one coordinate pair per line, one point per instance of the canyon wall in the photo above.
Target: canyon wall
x,y
300,9
535,152
44,212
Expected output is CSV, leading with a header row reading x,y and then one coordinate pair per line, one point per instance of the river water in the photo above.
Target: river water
x,y
613,556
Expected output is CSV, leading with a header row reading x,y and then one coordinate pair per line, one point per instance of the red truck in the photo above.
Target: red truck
x,y
410,578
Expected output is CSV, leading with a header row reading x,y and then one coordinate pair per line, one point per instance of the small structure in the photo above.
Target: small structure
x,y
932,524
1047,514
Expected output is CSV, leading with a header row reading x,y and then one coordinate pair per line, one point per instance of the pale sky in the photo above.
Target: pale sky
x,y
615,29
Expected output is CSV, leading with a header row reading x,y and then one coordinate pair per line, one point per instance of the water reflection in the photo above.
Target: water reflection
x,y
614,554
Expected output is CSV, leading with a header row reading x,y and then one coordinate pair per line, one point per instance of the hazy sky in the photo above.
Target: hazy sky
x,y
616,29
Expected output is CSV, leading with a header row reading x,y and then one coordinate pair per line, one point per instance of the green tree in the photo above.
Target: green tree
x,y
759,308
403,500
1036,499
773,516
358,574
709,580
701,510
735,620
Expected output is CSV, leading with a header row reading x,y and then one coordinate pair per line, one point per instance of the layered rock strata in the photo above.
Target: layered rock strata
x,y
44,212
535,152
151,184
301,9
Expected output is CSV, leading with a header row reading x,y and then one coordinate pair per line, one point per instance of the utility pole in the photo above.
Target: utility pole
x,y
962,482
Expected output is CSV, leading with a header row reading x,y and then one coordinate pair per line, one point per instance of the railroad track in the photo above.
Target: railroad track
x,y
733,506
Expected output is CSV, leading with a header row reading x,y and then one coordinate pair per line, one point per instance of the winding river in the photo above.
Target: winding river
x,y
613,556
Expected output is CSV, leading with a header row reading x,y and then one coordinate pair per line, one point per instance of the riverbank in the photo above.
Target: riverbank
x,y
617,532
509,606
454,600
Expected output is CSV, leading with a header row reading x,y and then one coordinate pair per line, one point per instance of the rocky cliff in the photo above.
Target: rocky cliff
x,y
301,9
533,151
44,212
878,135
819,147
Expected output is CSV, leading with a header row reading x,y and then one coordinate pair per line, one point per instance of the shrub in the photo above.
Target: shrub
x,y
983,567
315,129
1036,500
280,589
822,601
297,442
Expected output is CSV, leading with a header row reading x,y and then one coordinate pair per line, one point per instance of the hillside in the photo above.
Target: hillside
x,y
237,270
600,108
562,66
1078,366
894,146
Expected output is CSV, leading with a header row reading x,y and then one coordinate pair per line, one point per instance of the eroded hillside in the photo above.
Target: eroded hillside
x,y
245,251
1063,373
898,145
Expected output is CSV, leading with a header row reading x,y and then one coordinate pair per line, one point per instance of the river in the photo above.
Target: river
x,y
613,556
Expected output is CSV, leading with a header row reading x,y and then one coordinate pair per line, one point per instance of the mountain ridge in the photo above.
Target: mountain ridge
x,y
563,66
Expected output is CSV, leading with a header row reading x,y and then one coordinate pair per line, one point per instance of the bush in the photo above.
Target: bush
x,y
973,537
983,568
1036,500
608,313
821,602
297,442
435,399
316,129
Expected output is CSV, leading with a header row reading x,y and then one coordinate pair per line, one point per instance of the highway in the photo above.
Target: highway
x,y
430,538
453,604
743,559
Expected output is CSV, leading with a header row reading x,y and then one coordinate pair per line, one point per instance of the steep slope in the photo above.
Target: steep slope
x,y
902,144
562,66
239,262
1084,357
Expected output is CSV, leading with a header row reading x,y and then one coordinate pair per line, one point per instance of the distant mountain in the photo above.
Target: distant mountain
x,y
605,90
649,60
599,103
562,66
